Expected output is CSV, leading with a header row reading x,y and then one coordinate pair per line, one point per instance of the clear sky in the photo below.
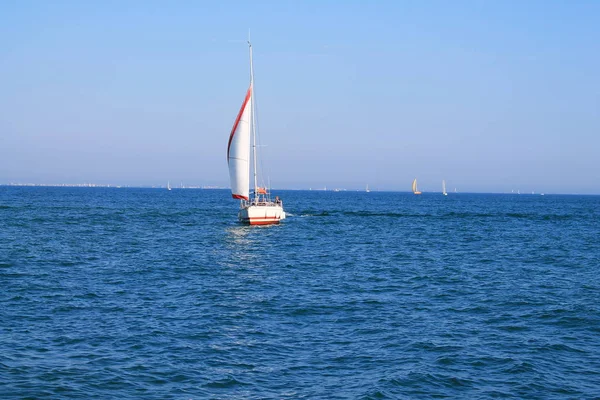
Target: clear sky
x,y
489,95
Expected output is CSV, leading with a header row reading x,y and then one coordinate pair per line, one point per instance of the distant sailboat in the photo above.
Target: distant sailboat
x,y
367,189
169,185
258,209
415,189
444,188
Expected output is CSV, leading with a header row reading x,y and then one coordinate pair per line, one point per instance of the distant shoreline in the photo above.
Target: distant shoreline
x,y
113,186
101,185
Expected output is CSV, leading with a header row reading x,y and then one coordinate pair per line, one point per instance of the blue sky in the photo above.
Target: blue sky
x,y
490,96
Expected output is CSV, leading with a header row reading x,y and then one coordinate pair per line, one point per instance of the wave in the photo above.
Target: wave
x,y
383,214
224,383
450,215
532,216
310,213
328,213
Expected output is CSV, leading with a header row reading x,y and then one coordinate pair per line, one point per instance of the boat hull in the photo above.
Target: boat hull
x,y
261,214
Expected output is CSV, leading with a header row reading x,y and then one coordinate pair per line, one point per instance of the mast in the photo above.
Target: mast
x,y
253,124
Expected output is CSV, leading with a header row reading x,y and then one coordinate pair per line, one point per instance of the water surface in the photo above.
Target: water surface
x,y
156,294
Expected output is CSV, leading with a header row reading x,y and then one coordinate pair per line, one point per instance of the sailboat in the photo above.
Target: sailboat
x,y
367,189
256,207
414,187
444,188
169,185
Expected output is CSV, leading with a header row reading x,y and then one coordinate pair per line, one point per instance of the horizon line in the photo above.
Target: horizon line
x,y
214,187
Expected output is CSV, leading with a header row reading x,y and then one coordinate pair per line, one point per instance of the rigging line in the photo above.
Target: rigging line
x,y
261,161
257,139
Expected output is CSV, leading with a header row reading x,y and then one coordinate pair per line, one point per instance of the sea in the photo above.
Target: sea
x,y
127,293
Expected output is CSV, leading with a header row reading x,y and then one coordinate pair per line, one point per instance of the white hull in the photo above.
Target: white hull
x,y
261,214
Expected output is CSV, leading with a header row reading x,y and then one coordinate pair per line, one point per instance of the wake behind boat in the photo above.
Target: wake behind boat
x,y
257,209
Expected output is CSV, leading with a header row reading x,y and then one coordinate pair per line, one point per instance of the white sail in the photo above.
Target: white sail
x,y
415,189
238,151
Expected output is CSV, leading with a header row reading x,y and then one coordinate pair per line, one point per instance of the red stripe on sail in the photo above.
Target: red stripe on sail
x,y
239,196
237,120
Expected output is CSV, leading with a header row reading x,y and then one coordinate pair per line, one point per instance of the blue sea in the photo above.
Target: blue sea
x,y
129,293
